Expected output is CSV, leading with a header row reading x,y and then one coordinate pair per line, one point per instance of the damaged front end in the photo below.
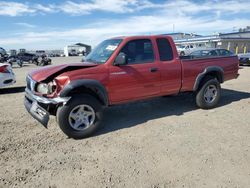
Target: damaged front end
x,y
41,107
42,97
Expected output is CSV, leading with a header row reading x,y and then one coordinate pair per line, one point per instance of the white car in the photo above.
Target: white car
x,y
7,76
185,50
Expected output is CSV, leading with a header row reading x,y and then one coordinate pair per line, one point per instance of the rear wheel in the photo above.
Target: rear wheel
x,y
209,93
81,117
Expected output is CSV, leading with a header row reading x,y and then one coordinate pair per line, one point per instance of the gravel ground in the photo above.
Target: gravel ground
x,y
163,142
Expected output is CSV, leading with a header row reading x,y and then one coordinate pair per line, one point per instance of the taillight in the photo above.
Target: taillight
x,y
3,69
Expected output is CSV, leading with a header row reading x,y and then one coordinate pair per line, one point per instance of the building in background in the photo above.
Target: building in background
x,y
180,35
237,42
77,49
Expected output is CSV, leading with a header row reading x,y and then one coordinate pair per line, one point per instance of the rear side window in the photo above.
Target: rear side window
x,y
165,49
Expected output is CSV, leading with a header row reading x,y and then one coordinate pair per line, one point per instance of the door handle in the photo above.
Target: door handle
x,y
153,69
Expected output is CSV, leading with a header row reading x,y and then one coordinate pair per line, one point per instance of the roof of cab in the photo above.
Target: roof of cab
x,y
139,36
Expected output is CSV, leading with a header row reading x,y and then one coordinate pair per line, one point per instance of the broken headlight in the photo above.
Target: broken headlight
x,y
46,89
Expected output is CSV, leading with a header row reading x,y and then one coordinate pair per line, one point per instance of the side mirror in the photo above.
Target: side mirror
x,y
121,59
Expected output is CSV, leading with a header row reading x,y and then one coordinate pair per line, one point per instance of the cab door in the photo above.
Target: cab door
x,y
140,77
170,66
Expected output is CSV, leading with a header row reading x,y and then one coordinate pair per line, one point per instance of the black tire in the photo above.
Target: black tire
x,y
63,114
201,100
182,53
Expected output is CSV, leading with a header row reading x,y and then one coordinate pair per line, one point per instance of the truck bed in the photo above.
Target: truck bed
x,y
195,66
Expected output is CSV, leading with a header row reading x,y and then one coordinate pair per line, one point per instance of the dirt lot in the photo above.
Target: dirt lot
x,y
163,142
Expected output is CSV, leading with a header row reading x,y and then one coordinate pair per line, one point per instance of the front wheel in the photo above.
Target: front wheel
x,y
81,117
208,95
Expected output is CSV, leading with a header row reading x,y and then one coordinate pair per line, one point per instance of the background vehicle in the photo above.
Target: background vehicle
x,y
40,52
43,60
122,70
73,53
7,77
13,61
53,55
27,57
3,55
13,52
4,58
24,57
2,52
244,59
185,49
210,53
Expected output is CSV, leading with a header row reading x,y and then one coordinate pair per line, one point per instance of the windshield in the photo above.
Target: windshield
x,y
103,51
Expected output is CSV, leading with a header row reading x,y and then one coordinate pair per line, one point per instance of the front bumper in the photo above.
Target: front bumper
x,y
39,106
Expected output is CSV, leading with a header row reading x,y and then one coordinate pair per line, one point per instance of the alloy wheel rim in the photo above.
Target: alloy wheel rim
x,y
210,93
81,117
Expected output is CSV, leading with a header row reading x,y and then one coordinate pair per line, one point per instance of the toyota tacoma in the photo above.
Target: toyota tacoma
x,y
121,70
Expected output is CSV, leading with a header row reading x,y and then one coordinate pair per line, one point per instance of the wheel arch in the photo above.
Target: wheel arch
x,y
213,71
86,86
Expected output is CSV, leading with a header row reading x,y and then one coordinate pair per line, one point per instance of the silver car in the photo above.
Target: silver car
x,y
7,76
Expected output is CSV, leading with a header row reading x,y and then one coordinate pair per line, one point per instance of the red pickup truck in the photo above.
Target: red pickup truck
x,y
121,70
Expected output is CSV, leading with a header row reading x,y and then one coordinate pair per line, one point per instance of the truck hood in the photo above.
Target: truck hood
x,y
49,72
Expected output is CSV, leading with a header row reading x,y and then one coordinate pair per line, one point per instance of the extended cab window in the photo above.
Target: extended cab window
x,y
165,49
139,51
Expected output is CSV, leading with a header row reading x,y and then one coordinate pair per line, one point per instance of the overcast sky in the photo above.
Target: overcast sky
x,y
52,24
